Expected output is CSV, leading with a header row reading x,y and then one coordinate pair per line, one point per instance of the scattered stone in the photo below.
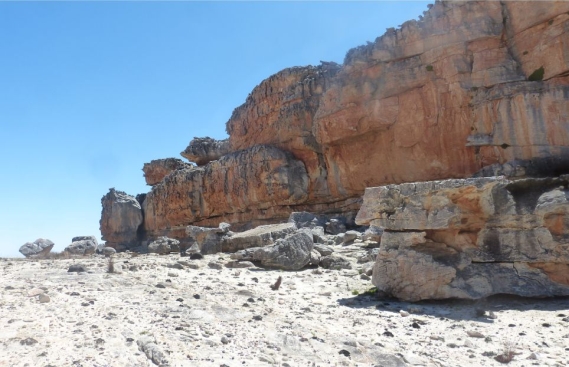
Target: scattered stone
x,y
77,268
148,346
215,265
335,262
44,298
28,341
239,264
474,334
277,283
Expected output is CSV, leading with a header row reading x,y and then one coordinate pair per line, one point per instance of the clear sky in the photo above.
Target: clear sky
x,y
90,91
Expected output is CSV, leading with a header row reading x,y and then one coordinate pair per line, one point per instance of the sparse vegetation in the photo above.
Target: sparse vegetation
x,y
537,75
111,265
508,352
429,68
355,292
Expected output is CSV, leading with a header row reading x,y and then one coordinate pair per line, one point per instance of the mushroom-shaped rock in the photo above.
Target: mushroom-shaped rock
x,y
39,247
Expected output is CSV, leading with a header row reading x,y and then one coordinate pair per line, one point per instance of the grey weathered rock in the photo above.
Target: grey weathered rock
x,y
164,245
257,237
314,257
204,150
239,264
305,220
324,250
148,346
373,233
108,251
350,236
120,219
82,245
336,226
335,262
208,240
39,247
156,170
77,268
471,238
290,253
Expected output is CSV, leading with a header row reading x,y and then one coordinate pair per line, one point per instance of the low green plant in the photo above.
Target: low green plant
x,y
429,67
537,75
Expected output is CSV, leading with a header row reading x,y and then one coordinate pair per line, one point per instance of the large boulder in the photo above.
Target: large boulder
x,y
156,170
82,245
38,248
208,240
258,237
121,218
204,150
164,246
471,238
291,253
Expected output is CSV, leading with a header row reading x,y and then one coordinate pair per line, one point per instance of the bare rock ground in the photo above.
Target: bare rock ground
x,y
167,310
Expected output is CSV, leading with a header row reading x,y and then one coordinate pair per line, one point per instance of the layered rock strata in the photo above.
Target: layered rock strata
x,y
472,84
471,238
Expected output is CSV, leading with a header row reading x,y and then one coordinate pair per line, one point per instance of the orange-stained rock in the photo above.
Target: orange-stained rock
x,y
156,170
249,181
471,238
437,98
472,84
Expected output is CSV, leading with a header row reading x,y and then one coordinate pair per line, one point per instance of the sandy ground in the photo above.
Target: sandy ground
x,y
157,310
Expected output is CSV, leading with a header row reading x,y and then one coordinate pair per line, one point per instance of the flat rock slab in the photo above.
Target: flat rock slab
x,y
471,238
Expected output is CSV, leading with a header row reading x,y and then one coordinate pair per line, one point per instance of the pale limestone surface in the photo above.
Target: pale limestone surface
x,y
124,319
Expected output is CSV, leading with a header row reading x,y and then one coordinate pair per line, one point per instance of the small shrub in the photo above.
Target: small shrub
x,y
525,53
537,75
355,292
550,21
504,146
111,265
429,67
508,352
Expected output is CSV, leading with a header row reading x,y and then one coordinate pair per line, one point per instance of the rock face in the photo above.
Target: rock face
x,y
204,150
471,238
472,84
39,247
238,187
120,219
156,170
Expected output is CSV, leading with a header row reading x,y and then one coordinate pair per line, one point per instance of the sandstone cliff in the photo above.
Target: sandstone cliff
x,y
471,84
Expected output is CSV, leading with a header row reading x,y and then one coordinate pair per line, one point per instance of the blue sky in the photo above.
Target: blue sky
x,y
90,91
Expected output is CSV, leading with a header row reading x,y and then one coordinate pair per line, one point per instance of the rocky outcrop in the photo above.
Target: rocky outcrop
x,y
156,170
38,248
471,238
204,150
120,220
238,187
472,84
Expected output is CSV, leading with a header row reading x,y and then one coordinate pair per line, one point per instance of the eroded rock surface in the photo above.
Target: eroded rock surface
x,y
240,186
204,150
39,247
120,219
156,170
471,238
